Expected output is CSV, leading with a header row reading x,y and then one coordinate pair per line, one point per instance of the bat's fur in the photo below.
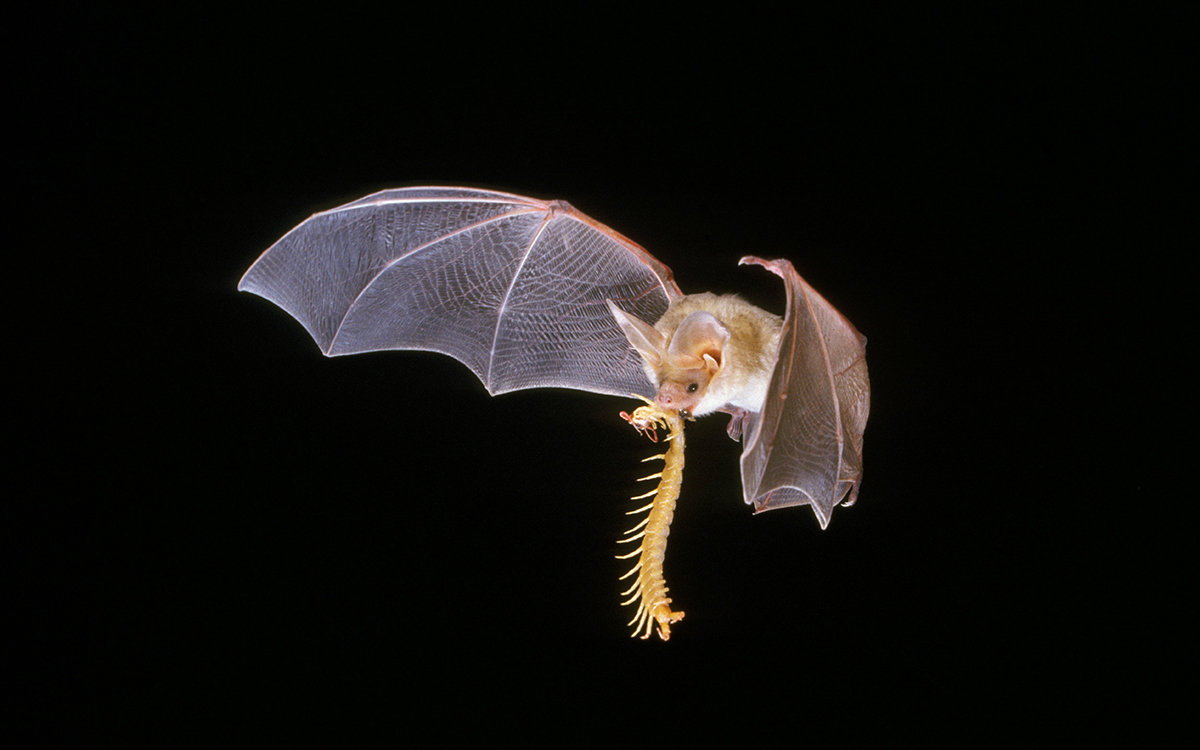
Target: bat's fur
x,y
743,364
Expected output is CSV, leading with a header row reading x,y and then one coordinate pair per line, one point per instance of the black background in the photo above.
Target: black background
x,y
272,542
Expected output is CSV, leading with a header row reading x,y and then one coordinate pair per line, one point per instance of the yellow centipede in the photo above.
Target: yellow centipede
x,y
649,587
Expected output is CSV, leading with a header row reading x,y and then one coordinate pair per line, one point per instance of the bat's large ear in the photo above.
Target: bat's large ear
x,y
642,336
699,342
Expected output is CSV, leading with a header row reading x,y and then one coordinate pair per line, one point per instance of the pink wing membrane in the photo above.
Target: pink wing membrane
x,y
806,446
512,287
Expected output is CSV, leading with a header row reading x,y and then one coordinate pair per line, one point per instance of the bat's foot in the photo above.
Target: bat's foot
x,y
739,422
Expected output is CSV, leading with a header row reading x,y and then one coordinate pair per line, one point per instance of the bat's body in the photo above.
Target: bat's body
x,y
535,294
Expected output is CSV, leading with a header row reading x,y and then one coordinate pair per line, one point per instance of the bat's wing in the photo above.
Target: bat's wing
x,y
806,445
512,287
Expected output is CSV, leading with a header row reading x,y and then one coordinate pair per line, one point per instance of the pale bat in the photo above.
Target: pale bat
x,y
530,293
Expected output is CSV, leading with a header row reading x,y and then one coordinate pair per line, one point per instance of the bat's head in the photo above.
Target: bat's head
x,y
683,361
687,369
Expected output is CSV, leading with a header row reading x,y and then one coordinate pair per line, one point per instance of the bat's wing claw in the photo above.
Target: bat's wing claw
x,y
770,265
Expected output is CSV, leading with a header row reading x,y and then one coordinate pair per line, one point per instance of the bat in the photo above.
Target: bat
x,y
534,294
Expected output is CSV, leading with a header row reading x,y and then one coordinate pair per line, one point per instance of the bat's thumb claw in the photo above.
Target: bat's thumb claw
x,y
778,267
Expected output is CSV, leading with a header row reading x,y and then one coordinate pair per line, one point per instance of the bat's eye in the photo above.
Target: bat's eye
x,y
692,388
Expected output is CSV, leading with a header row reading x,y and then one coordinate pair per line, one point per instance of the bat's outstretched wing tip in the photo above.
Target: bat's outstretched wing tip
x,y
246,283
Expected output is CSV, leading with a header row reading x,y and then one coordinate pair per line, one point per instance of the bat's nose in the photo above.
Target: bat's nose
x,y
665,399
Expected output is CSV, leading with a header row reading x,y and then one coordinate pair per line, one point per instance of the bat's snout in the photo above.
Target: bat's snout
x,y
675,398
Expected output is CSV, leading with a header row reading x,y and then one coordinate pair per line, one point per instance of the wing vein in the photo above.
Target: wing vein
x,y
416,249
514,200
830,380
508,293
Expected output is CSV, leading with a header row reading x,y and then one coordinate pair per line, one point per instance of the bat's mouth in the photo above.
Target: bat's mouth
x,y
685,414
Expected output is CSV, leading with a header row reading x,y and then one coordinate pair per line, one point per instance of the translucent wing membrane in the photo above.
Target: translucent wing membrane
x,y
512,287
806,446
